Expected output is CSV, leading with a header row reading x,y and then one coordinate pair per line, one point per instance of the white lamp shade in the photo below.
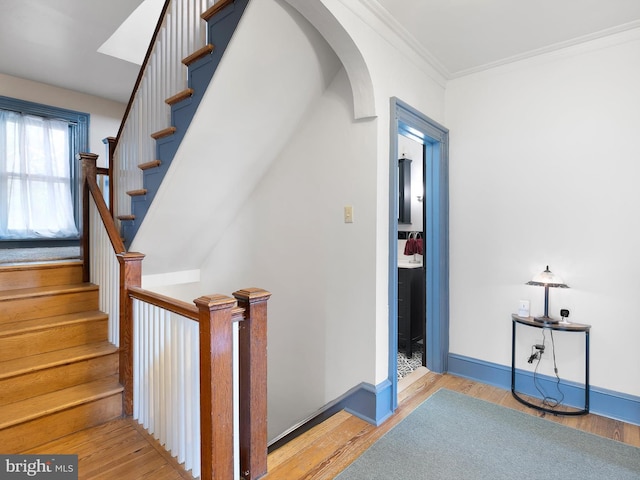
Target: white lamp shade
x,y
547,279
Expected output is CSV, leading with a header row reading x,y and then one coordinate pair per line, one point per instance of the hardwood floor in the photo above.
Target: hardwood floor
x,y
121,450
329,448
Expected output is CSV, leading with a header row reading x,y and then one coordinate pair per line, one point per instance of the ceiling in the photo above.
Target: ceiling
x,y
462,36
57,41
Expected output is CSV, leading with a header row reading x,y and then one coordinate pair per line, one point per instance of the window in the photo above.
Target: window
x,y
38,171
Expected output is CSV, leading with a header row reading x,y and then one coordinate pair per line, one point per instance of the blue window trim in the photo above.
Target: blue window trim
x,y
79,137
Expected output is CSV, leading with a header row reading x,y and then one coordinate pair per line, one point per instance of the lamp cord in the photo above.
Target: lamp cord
x,y
546,399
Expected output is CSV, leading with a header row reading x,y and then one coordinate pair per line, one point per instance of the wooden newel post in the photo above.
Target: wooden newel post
x,y
216,386
130,276
88,166
252,339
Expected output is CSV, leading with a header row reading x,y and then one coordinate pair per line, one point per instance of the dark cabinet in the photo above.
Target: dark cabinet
x,y
411,321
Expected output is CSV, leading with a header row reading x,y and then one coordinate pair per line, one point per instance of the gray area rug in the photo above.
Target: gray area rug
x,y
21,255
453,436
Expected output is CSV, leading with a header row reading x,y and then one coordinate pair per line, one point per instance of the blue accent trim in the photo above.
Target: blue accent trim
x,y
393,255
220,30
365,401
435,138
616,405
78,137
481,371
372,404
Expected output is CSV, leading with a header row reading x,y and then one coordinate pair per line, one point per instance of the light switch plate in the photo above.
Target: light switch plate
x,y
348,214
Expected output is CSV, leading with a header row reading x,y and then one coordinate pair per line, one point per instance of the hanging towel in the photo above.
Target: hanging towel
x,y
412,245
419,245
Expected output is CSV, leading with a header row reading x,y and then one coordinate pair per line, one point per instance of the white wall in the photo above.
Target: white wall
x,y
328,317
290,238
544,170
396,71
254,103
106,115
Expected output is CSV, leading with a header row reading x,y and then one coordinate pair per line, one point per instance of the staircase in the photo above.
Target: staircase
x,y
58,371
221,19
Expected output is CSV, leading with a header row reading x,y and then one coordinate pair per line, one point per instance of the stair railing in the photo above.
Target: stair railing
x,y
179,32
177,359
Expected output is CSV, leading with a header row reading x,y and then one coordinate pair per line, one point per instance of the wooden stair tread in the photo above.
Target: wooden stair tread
x,y
165,132
214,9
126,217
24,326
37,266
43,361
32,408
137,193
40,274
151,164
198,54
58,371
18,293
178,97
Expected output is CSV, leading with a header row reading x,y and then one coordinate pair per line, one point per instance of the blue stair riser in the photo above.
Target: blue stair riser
x,y
220,29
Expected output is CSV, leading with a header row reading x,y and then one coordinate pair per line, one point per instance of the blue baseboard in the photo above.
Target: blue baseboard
x,y
616,405
374,404
371,403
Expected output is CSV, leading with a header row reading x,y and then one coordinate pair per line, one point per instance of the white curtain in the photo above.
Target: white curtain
x,y
35,178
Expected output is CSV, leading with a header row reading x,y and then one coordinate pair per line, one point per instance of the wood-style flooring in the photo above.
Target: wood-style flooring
x,y
121,450
118,450
328,449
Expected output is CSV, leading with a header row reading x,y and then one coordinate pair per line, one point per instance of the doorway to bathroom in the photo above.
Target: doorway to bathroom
x,y
426,222
411,286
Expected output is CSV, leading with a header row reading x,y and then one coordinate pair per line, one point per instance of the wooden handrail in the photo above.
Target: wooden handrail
x,y
90,187
143,68
89,171
215,315
185,309
130,270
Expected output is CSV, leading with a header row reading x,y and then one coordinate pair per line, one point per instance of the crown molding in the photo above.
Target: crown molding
x,y
586,43
395,34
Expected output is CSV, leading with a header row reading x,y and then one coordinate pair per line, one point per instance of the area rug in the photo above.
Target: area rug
x,y
455,437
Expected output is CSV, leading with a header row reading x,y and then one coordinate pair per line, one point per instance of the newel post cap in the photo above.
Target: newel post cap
x,y
215,302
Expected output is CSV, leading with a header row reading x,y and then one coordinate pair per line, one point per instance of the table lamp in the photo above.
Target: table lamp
x,y
547,279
